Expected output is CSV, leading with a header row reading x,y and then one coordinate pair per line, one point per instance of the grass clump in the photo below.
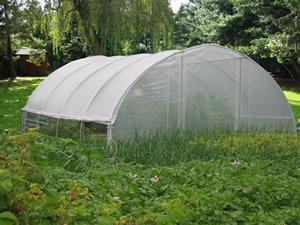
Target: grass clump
x,y
170,149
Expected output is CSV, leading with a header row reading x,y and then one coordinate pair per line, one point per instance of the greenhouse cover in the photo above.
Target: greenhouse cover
x,y
200,88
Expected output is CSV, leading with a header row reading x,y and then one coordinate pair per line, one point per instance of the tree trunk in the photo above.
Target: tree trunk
x,y
90,33
11,66
11,69
296,68
293,69
291,75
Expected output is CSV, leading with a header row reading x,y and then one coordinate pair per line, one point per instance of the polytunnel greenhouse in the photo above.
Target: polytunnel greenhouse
x,y
200,88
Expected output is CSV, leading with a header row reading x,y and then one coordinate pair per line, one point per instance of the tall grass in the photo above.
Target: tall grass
x,y
170,149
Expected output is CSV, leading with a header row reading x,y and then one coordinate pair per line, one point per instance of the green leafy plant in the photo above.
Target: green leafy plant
x,y
225,178
8,218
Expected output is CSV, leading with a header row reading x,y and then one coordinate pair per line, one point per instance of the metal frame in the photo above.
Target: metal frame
x,y
36,123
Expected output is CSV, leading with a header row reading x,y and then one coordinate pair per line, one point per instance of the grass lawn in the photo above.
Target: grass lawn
x,y
12,100
293,96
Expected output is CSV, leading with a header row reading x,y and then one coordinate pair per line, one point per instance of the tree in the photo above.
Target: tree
x,y
259,28
285,43
14,27
8,15
114,26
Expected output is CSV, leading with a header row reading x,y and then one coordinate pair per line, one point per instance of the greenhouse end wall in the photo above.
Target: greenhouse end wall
x,y
202,90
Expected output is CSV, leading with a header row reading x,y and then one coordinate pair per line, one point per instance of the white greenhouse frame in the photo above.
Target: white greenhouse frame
x,y
199,88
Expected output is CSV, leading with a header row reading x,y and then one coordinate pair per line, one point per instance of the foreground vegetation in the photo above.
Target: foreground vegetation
x,y
45,180
216,178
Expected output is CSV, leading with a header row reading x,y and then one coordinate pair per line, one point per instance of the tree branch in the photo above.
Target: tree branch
x,y
71,10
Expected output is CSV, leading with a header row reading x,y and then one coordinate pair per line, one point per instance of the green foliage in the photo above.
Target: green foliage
x,y
7,218
16,20
261,29
38,57
70,30
13,23
67,40
230,188
116,27
5,190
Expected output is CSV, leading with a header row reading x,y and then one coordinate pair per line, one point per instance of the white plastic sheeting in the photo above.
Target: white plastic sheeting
x,y
203,87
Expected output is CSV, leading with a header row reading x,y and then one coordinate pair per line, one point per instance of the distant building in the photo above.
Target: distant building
x,y
27,68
